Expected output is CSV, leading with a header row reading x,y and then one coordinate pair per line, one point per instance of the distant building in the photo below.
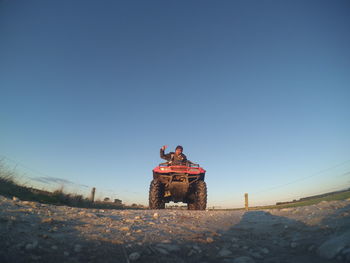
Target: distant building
x,y
107,199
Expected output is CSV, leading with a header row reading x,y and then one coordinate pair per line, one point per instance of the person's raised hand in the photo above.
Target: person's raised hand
x,y
164,147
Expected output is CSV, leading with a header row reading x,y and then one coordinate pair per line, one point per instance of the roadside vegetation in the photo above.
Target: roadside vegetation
x,y
9,187
330,197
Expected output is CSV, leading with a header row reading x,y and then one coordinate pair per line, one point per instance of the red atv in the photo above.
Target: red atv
x,y
178,183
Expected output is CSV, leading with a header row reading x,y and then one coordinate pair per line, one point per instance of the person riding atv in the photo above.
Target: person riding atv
x,y
174,158
178,180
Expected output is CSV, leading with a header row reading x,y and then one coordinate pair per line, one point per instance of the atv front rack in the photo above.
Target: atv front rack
x,y
189,164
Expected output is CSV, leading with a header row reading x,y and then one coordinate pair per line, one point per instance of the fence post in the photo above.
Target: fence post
x,y
93,194
246,201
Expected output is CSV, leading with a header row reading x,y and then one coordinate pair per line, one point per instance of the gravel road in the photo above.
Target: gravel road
x,y
34,232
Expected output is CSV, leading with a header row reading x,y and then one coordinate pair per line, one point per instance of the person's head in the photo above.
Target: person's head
x,y
178,149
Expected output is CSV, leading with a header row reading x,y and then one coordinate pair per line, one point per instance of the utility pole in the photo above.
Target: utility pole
x,y
93,190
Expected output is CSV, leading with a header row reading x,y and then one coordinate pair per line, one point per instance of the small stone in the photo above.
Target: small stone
x,y
124,228
54,247
264,250
224,253
234,239
155,215
293,244
210,240
77,248
65,253
90,215
134,256
256,255
15,199
311,248
197,248
47,220
235,246
32,245
162,251
243,259
29,247
169,247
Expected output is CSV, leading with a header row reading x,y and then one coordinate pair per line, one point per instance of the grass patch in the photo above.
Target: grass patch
x,y
312,201
9,187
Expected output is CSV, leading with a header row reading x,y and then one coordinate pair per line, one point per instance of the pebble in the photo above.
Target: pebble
x,y
169,247
224,253
256,255
48,220
234,239
32,245
65,253
77,248
134,256
54,247
264,250
162,251
15,199
155,215
293,244
311,248
124,228
197,248
191,252
210,240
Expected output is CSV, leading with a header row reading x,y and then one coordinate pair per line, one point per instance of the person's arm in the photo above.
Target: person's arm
x,y
163,155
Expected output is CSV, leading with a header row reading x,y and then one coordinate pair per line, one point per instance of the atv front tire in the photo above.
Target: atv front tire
x,y
200,200
156,194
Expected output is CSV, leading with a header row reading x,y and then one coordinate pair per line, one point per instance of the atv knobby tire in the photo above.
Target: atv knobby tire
x,y
156,194
200,197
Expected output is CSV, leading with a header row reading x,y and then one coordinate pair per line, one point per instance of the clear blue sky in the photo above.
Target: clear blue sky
x,y
257,92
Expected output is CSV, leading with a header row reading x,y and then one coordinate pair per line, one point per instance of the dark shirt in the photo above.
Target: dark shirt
x,y
174,159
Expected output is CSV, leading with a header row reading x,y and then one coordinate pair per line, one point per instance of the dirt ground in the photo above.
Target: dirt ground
x,y
34,232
